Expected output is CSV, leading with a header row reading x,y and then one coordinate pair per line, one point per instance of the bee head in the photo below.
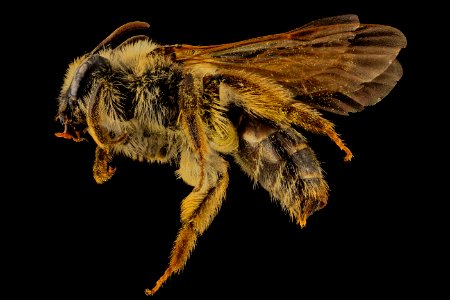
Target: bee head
x,y
73,99
81,81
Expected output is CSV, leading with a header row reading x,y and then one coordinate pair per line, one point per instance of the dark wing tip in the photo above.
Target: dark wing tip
x,y
379,35
374,91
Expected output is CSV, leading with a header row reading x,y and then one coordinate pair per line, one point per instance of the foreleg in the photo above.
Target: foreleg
x,y
102,169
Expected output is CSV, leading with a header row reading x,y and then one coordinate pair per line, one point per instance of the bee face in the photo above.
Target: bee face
x,y
75,93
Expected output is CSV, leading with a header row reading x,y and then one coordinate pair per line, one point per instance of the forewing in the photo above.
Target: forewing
x,y
334,64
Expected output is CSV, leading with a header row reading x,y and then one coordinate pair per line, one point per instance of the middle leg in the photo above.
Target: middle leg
x,y
201,167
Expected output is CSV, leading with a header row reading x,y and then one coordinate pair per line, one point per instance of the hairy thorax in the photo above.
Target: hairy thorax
x,y
144,105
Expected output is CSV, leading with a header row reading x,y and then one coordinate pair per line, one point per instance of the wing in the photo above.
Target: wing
x,y
334,64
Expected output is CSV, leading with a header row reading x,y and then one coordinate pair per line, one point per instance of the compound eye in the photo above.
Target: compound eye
x,y
82,80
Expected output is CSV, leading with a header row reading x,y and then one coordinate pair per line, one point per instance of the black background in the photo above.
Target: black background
x,y
76,238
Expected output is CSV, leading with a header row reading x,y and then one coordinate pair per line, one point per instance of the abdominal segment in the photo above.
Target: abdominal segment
x,y
281,161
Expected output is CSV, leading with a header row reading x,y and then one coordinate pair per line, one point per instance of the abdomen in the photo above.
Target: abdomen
x,y
281,162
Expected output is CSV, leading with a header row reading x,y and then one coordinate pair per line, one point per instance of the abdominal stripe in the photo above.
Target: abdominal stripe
x,y
295,158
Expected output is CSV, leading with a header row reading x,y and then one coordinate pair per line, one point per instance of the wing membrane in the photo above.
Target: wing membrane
x,y
335,64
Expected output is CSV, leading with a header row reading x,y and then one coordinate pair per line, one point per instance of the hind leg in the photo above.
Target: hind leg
x,y
268,101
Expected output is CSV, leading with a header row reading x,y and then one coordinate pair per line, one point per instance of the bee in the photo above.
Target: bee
x,y
249,102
